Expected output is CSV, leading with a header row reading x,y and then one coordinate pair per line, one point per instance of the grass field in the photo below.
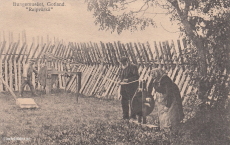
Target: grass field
x,y
90,121
61,120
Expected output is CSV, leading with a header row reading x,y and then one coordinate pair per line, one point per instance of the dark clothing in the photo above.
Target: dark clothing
x,y
127,93
42,76
27,78
130,73
27,81
128,90
169,103
30,71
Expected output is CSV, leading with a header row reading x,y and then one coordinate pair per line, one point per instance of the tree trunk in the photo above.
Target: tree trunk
x,y
202,68
196,40
198,43
201,49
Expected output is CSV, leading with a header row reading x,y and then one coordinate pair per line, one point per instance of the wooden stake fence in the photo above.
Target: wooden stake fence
x,y
101,76
98,62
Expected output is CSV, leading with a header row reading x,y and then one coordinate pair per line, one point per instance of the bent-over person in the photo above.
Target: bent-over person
x,y
28,69
168,100
129,83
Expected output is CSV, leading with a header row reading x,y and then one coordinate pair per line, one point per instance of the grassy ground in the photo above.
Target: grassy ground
x,y
61,120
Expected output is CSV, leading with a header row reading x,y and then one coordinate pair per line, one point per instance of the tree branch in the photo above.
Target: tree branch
x,y
175,4
186,10
129,2
141,8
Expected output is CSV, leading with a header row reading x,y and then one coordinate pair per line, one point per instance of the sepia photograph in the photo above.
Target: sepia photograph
x,y
114,72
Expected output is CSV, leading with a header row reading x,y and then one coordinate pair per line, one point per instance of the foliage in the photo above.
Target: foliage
x,y
106,19
203,15
205,23
99,133
208,127
191,106
213,88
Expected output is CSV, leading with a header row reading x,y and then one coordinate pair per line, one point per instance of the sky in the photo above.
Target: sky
x,y
73,23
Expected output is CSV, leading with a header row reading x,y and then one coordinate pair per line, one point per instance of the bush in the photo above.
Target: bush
x,y
207,127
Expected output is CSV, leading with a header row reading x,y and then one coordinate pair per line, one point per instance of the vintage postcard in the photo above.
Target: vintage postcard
x,y
119,72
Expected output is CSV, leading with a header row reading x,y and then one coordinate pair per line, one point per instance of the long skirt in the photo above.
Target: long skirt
x,y
168,117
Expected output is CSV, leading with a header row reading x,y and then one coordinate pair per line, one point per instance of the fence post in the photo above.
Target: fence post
x,y
143,101
78,83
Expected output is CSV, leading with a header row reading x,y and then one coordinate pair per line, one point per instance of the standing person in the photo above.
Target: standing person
x,y
67,69
28,69
42,75
168,100
129,84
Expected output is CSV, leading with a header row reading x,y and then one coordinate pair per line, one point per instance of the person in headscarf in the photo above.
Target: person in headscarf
x,y
168,100
129,83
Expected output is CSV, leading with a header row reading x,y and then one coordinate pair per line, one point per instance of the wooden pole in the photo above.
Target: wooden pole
x,y
1,71
158,55
180,54
143,101
138,54
78,84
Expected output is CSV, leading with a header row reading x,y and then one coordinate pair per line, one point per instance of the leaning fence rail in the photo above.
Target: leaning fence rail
x,y
98,62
